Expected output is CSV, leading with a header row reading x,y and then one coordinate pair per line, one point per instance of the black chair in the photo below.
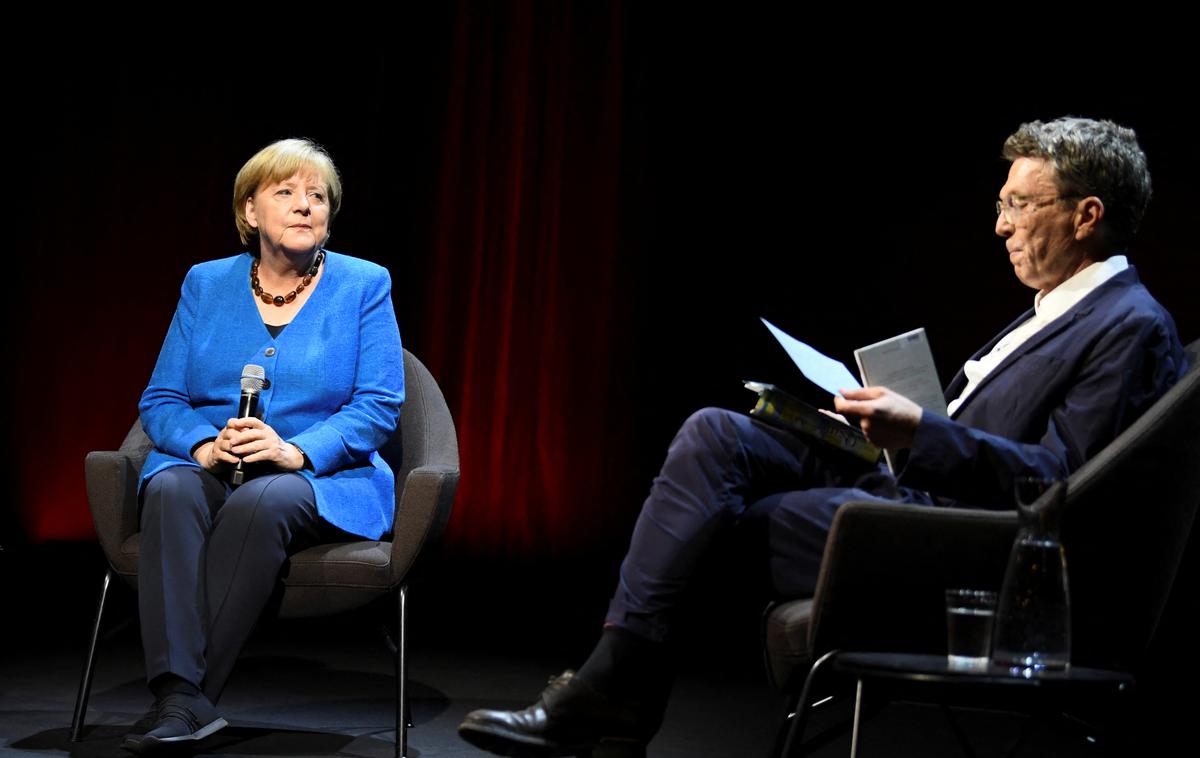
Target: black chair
x,y
1127,518
322,580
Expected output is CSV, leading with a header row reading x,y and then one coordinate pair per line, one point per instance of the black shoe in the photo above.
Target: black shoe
x,y
178,720
569,718
144,724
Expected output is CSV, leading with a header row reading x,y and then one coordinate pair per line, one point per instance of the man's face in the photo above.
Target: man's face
x,y
1041,240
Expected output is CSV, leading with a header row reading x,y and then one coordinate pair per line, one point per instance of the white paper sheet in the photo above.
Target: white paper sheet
x,y
904,364
823,371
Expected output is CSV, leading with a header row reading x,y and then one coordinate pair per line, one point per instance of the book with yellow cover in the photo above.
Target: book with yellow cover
x,y
780,409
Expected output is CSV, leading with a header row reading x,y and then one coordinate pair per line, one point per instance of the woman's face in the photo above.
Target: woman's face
x,y
291,216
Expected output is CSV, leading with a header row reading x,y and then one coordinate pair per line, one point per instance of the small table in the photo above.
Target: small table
x,y
936,671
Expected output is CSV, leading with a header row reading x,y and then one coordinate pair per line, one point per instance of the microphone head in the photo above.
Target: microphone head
x,y
253,377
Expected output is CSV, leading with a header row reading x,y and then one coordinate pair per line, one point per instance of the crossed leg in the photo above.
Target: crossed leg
x,y
723,468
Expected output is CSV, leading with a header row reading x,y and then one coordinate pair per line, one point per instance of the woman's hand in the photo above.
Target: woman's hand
x,y
250,441
216,454
254,442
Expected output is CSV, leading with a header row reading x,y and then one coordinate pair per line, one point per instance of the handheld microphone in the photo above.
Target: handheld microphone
x,y
253,379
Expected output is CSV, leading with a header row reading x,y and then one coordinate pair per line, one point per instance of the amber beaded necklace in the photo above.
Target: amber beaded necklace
x,y
281,300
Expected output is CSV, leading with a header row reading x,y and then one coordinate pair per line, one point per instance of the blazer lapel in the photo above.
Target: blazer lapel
x,y
1046,333
959,382
1082,309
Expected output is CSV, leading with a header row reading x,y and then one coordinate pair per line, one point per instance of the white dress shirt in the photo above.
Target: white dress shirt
x,y
1047,306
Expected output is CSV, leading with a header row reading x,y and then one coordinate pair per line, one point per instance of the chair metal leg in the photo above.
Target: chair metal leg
x,y
795,736
858,692
791,706
89,666
403,714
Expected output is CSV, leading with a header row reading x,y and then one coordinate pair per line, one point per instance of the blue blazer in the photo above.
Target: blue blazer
x,y
1053,403
336,381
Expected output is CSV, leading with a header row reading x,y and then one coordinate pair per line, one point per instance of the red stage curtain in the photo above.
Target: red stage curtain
x,y
526,306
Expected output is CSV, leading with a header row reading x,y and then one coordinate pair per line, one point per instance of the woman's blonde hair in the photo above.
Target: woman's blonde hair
x,y
276,162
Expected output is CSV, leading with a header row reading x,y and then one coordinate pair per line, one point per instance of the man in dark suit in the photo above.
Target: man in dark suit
x,y
1041,398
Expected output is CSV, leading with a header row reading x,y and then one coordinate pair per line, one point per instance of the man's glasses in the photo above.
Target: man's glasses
x,y
1012,206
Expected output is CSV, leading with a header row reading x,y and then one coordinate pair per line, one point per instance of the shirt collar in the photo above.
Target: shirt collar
x,y
1050,305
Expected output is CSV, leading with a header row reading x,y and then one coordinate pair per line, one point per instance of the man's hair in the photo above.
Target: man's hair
x,y
1092,158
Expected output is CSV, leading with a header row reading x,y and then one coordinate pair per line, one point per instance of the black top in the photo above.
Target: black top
x,y
275,329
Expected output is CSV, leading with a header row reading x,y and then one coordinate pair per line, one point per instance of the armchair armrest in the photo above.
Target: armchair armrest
x,y
886,568
112,480
422,510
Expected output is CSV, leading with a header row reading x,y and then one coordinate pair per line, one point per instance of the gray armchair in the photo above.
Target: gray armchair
x,y
321,580
1127,518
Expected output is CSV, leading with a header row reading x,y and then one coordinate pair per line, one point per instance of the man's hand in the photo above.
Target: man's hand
x,y
835,416
250,441
887,419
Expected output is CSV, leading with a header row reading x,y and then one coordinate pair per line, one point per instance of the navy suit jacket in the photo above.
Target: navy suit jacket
x,y
336,373
1054,402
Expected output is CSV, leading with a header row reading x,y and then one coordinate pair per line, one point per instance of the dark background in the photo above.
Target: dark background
x,y
585,208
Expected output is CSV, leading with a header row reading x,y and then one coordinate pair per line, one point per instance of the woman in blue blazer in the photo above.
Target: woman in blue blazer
x,y
322,327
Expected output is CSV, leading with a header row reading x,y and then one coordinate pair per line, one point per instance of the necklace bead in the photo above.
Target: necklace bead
x,y
281,300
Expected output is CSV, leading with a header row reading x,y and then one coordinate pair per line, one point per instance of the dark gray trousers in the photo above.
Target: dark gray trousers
x,y
724,469
210,555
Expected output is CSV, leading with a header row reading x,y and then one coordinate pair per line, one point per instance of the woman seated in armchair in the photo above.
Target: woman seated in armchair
x,y
225,500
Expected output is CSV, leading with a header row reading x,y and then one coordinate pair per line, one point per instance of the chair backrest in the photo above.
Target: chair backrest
x,y
136,445
424,437
1128,515
426,433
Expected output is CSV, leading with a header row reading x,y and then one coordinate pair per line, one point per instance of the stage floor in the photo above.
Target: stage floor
x,y
306,696
320,687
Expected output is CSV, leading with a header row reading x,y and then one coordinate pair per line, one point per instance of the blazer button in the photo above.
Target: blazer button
x,y
270,352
